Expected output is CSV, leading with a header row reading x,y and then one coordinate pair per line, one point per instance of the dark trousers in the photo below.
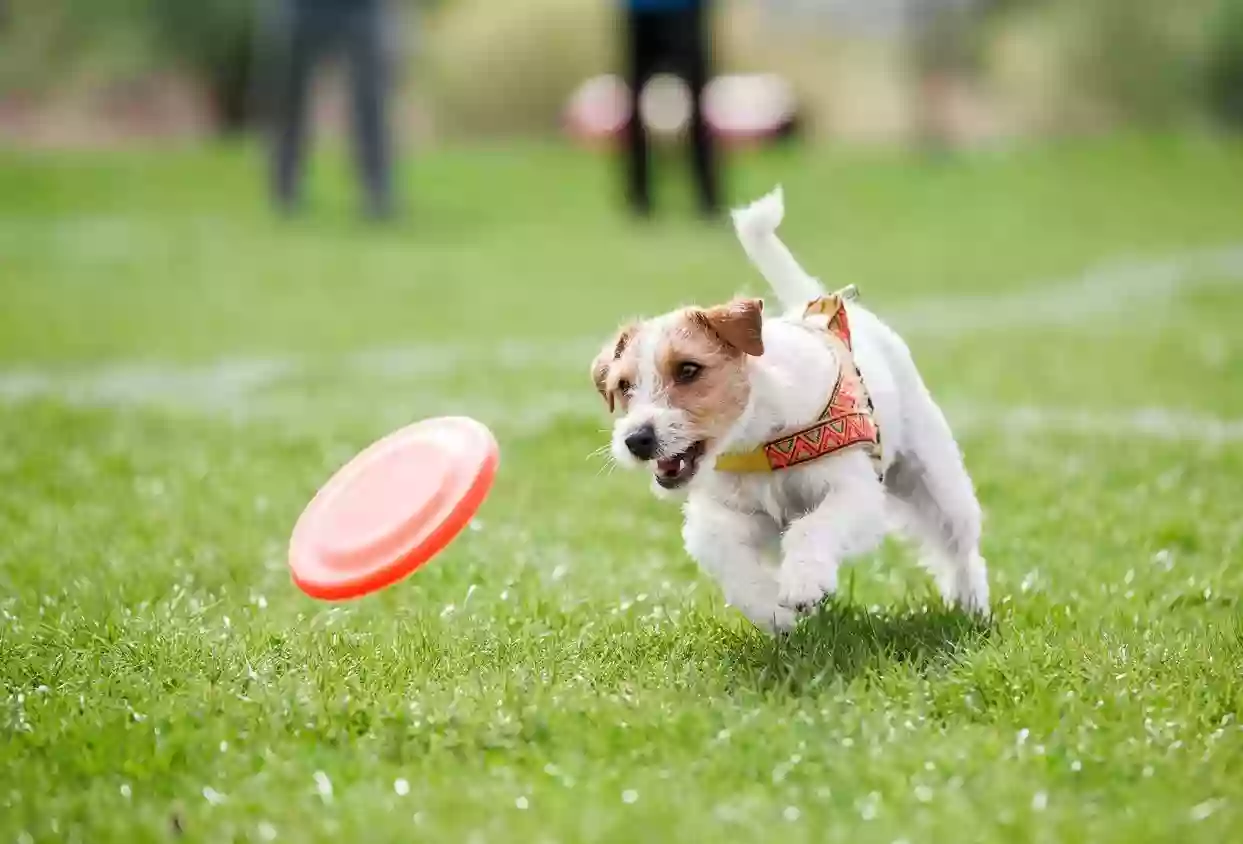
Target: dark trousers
x,y
676,42
312,31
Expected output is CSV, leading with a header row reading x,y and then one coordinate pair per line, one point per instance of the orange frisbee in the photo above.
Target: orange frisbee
x,y
392,508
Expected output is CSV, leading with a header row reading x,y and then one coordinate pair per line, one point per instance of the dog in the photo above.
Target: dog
x,y
797,442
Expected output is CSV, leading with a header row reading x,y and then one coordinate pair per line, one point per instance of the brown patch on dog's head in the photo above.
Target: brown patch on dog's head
x,y
603,368
739,324
702,368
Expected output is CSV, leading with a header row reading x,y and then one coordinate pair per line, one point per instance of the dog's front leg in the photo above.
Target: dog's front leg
x,y
849,520
733,548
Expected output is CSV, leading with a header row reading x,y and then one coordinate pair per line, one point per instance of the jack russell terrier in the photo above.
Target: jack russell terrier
x,y
797,440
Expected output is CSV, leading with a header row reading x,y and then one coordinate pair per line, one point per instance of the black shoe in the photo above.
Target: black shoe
x,y
379,210
640,205
288,209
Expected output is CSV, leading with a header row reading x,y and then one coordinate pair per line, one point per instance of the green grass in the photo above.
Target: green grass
x,y
563,673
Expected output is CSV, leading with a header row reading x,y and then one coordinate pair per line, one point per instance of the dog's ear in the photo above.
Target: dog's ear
x,y
738,323
604,361
600,375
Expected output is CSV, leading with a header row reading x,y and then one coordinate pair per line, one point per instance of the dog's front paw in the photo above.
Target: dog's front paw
x,y
776,620
784,620
966,587
801,587
972,600
771,618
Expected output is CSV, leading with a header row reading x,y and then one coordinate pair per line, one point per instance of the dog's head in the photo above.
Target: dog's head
x,y
678,383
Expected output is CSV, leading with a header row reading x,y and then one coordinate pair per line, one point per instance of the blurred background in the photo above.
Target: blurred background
x,y
965,72
1035,193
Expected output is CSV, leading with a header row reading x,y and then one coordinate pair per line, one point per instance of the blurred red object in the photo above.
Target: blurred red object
x,y
598,110
751,109
740,109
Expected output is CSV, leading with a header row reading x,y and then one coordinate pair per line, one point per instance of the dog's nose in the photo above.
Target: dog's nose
x,y
642,443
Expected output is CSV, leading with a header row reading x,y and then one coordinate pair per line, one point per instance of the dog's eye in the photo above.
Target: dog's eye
x,y
623,387
687,372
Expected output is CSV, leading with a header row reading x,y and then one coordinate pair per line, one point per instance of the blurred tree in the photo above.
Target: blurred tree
x,y
43,43
214,40
1137,57
1225,63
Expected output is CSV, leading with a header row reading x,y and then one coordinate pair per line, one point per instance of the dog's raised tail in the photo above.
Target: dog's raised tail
x,y
756,226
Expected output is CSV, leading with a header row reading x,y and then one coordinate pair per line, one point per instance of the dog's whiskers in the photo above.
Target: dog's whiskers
x,y
609,464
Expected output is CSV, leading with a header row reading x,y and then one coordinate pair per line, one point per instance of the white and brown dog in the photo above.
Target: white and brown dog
x,y
796,439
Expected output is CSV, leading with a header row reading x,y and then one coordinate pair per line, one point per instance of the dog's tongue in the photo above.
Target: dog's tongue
x,y
669,466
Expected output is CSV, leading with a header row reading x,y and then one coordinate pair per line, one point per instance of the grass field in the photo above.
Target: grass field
x,y
178,372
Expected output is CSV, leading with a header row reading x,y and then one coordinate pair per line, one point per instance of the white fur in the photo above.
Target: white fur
x,y
775,541
756,226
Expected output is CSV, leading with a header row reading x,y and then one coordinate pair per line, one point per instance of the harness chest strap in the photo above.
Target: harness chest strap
x,y
847,421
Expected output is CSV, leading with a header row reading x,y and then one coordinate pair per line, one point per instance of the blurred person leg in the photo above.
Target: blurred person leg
x,y
694,49
370,78
643,51
297,52
941,52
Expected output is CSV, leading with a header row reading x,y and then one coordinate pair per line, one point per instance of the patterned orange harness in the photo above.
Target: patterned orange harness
x,y
847,420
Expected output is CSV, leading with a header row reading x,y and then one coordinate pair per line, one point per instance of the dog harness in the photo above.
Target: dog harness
x,y
847,421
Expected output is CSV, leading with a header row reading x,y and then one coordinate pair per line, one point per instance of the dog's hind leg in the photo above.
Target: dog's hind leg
x,y
939,509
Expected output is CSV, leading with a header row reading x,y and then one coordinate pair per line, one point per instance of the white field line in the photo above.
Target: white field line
x,y
231,383
1110,288
249,387
1152,423
221,385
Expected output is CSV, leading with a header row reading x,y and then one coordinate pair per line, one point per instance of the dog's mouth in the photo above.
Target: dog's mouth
x,y
677,470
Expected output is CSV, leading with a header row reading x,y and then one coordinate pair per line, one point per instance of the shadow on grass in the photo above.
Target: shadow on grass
x,y
846,641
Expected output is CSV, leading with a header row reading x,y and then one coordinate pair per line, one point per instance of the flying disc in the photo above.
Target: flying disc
x,y
392,508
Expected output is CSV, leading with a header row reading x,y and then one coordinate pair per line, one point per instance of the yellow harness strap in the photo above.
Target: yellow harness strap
x,y
847,420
